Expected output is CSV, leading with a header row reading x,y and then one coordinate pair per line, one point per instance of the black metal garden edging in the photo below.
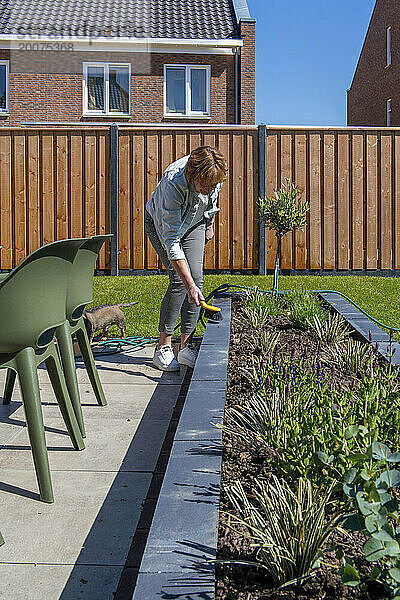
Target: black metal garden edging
x,y
182,542
364,329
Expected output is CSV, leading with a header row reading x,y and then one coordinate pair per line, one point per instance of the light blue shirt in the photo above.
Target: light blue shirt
x,y
175,207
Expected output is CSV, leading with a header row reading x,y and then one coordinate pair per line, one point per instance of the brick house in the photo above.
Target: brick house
x,y
374,96
127,61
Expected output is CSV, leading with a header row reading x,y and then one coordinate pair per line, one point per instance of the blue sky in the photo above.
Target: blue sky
x,y
306,55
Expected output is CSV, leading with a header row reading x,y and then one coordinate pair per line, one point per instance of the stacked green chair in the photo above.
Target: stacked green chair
x,y
79,294
32,306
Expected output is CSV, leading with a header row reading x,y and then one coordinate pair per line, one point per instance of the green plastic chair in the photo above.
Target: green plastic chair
x,y
32,306
1,539
79,294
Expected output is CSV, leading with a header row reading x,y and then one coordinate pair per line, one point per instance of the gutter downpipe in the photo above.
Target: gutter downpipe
x,y
236,54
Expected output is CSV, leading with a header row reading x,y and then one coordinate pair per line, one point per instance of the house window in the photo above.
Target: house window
x,y
187,90
4,73
106,89
388,46
388,112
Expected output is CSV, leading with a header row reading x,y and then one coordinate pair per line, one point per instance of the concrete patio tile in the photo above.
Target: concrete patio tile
x,y
50,582
92,520
135,445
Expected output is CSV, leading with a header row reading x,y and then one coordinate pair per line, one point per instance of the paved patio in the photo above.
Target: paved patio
x,y
81,546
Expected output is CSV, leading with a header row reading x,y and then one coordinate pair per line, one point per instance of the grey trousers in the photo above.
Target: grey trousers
x,y
175,298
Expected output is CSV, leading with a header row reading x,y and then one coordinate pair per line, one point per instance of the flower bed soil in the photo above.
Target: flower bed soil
x,y
234,582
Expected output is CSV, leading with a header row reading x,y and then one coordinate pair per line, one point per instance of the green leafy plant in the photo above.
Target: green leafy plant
x,y
368,485
332,329
282,213
302,307
287,528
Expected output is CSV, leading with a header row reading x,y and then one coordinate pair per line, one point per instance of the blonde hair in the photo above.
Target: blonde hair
x,y
207,165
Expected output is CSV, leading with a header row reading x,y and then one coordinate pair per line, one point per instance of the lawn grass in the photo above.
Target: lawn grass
x,y
379,296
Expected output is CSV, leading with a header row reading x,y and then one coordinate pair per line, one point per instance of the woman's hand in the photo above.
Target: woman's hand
x,y
194,295
209,232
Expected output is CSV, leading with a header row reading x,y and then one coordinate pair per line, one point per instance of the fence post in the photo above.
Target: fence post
x,y
262,150
114,200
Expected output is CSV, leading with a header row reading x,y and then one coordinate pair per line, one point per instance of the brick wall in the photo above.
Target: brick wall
x,y
374,82
247,73
47,86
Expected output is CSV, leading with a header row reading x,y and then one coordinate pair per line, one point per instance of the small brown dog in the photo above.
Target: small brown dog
x,y
100,318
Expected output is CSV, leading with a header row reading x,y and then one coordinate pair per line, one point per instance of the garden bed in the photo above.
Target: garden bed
x,y
282,353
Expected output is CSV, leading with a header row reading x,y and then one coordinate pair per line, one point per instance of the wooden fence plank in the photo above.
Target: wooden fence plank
x,y
301,182
138,201
222,225
76,183
18,176
102,198
61,187
124,200
238,203
250,196
33,207
272,183
210,252
6,202
90,187
286,160
385,229
152,180
372,202
396,224
343,208
329,201
194,141
180,145
315,250
357,202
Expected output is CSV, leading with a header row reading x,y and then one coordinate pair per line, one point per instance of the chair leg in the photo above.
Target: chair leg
x,y
64,341
1,539
90,365
28,379
60,389
9,386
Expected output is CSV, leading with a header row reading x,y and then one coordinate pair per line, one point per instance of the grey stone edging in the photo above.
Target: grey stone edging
x,y
183,534
363,326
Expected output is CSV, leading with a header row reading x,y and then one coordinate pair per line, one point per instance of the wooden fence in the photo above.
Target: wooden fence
x,y
351,177
55,183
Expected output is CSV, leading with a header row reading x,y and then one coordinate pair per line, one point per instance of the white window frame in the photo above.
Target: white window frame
x,y
106,112
6,110
188,112
388,112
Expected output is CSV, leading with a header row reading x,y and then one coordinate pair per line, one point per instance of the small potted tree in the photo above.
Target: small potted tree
x,y
282,213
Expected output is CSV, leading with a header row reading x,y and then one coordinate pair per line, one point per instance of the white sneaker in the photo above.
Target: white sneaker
x,y
187,356
165,360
